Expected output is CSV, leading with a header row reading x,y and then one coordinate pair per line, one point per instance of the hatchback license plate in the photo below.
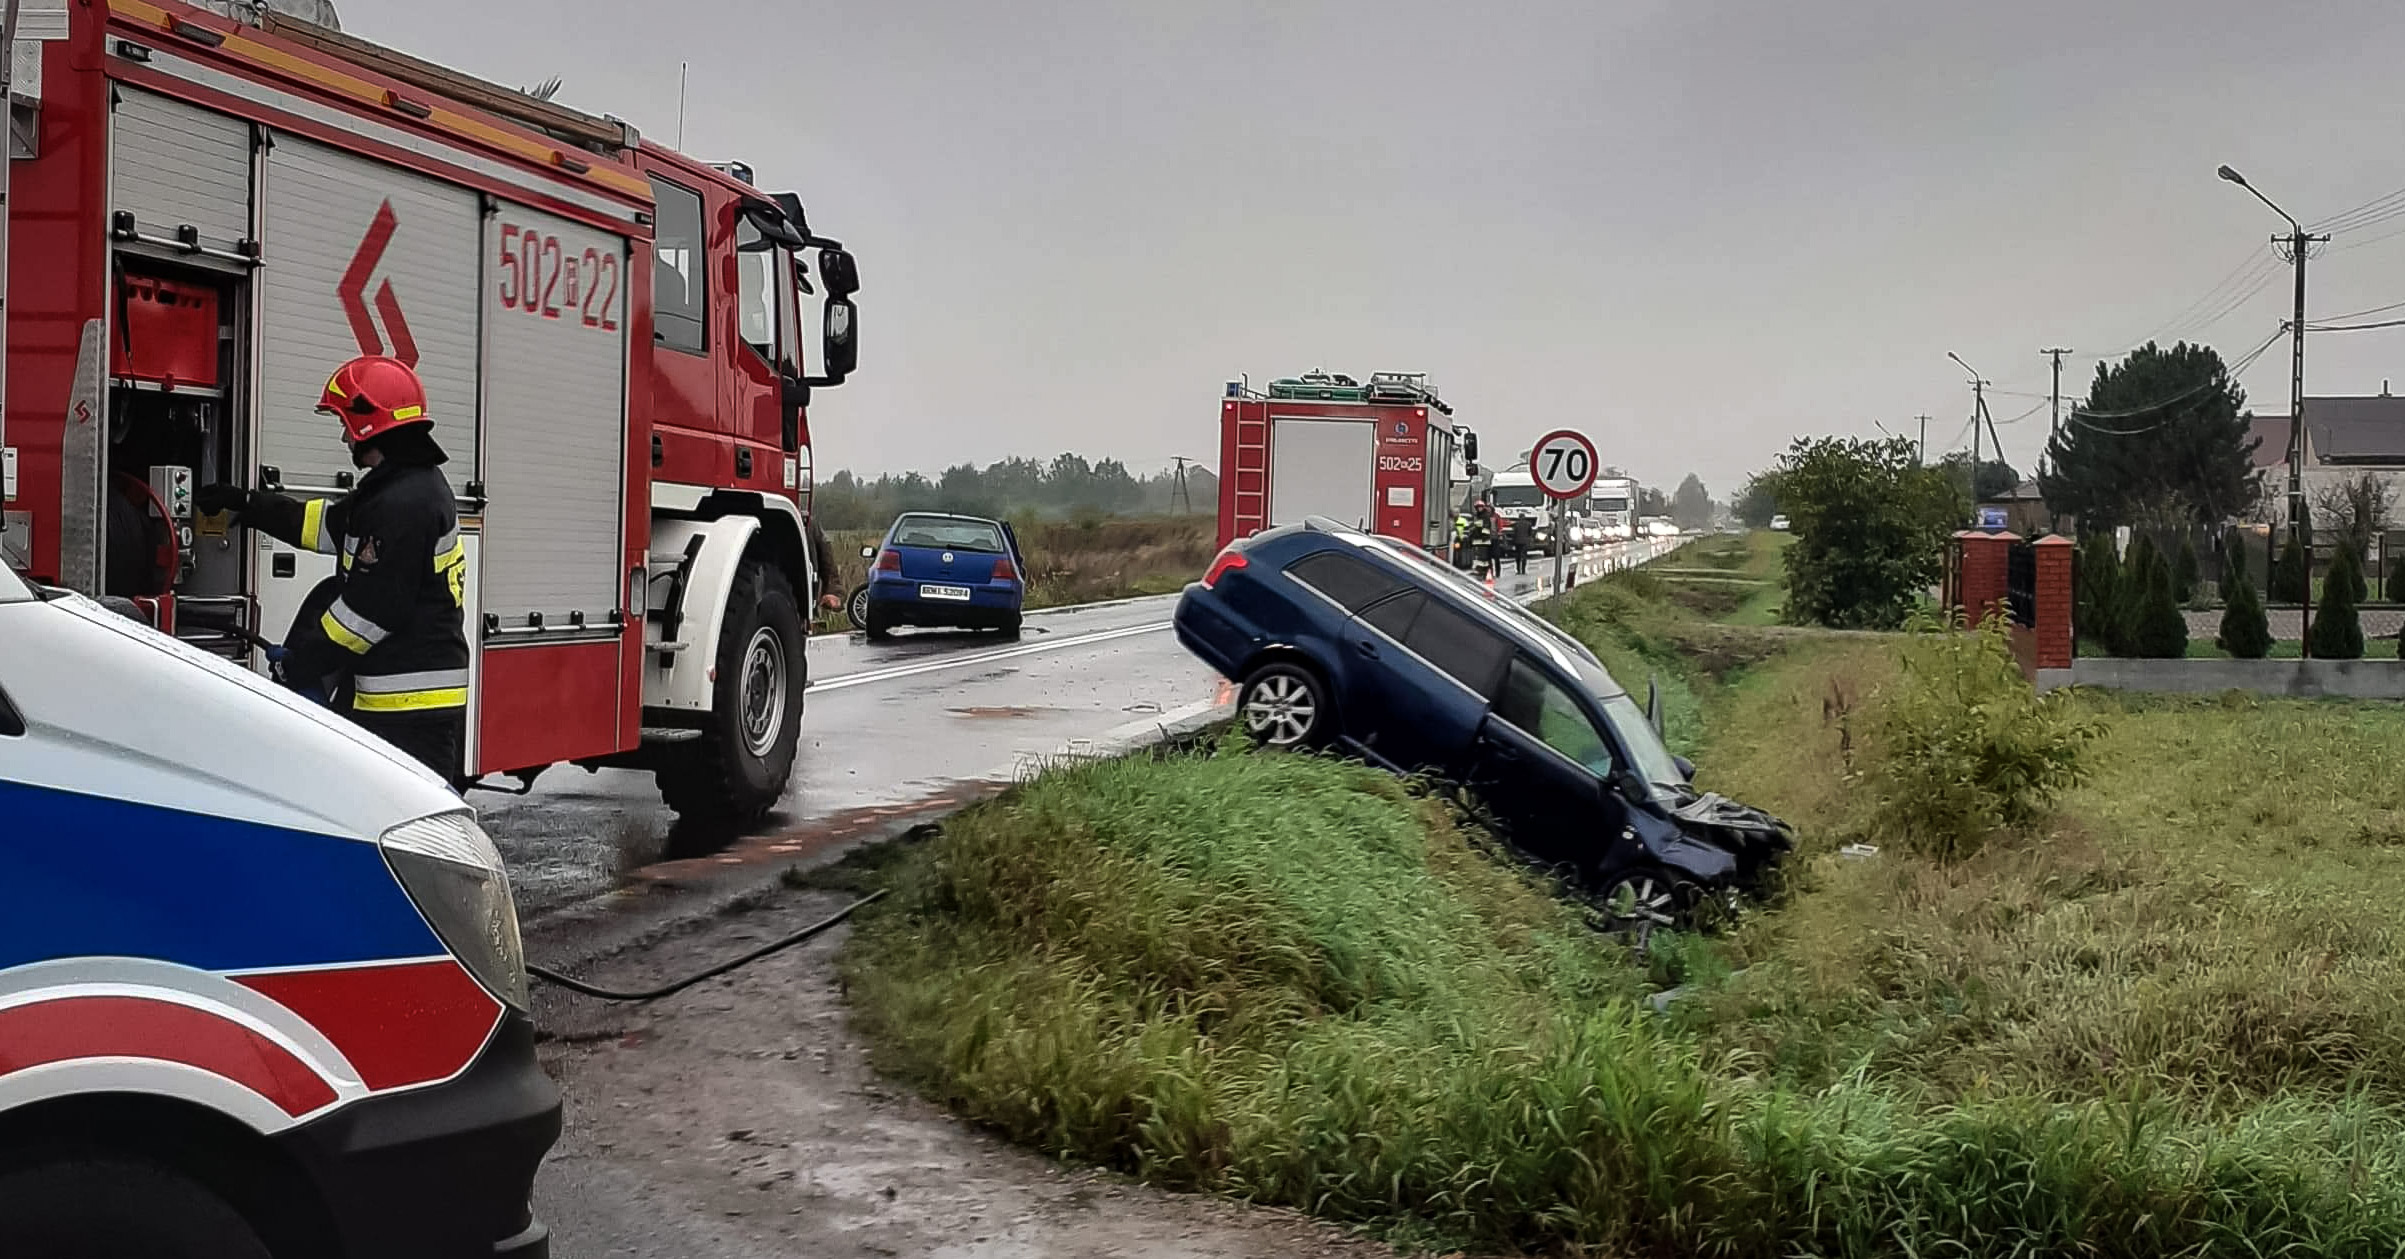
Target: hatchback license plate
x,y
949,594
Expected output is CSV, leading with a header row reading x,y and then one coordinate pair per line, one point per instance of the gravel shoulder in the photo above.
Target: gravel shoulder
x,y
741,1118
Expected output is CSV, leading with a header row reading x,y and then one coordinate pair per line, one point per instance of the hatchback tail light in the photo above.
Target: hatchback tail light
x,y
889,561
1221,566
1004,570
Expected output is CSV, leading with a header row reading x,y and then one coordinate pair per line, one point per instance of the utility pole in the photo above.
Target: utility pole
x,y
1978,417
1920,456
2057,356
2299,244
1184,501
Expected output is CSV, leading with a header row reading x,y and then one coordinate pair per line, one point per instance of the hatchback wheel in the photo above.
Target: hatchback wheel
x,y
1284,706
856,607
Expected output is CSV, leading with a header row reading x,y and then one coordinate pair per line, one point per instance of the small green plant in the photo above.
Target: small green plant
x,y
1964,749
2245,629
2337,630
2184,571
2098,596
2291,577
2156,629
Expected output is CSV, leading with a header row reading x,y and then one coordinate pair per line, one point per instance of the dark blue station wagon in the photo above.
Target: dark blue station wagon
x,y
1342,639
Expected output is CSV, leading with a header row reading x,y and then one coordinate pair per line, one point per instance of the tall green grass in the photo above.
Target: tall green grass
x,y
1290,980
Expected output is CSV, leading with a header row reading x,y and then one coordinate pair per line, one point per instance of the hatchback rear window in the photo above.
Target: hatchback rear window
x,y
948,533
1344,578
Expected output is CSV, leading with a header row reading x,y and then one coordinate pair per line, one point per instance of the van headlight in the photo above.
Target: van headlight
x,y
453,874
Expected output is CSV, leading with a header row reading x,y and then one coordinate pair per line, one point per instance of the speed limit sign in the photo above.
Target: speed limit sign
x,y
1563,463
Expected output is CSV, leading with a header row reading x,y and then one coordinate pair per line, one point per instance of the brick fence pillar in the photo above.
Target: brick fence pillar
x,y
2054,601
1986,572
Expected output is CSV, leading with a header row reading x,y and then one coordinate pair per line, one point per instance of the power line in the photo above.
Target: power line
x,y
2354,327
2356,314
2086,418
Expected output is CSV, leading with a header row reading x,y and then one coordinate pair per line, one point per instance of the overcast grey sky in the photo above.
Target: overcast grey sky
x,y
1693,229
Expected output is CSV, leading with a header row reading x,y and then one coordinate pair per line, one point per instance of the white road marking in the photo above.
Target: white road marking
x,y
940,663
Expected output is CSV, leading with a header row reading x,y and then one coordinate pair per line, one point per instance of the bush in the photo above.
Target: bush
x,y
2291,577
2098,596
2337,631
2396,581
2245,629
2233,560
2355,578
1871,527
1964,749
2184,572
2156,628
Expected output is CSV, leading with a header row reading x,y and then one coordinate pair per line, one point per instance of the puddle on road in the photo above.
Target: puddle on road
x,y
1003,711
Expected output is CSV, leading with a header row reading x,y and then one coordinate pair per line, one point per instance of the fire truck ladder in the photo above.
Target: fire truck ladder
x,y
1251,469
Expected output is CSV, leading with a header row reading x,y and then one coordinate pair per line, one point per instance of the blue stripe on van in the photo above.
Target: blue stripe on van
x,y
83,876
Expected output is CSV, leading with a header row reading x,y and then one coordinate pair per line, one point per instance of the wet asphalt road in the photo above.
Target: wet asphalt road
x,y
883,724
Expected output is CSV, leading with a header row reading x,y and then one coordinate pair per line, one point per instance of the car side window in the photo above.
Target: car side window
x,y
1470,653
1541,709
1346,579
1394,617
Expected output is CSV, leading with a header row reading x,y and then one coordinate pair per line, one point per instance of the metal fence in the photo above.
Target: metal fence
x,y
2021,583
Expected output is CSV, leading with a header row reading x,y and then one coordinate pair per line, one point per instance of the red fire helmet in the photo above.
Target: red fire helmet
x,y
374,395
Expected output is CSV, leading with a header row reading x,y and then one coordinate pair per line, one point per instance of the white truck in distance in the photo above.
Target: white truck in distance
x,y
1514,495
1613,505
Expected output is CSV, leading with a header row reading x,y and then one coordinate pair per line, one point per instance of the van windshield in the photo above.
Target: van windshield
x,y
950,532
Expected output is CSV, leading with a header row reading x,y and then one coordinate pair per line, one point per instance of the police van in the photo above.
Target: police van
x,y
261,987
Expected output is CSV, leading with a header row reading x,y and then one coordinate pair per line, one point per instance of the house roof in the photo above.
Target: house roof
x,y
2357,430
2026,492
2272,452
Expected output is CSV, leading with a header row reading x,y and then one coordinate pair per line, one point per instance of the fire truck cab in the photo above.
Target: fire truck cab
x,y
214,206
1377,456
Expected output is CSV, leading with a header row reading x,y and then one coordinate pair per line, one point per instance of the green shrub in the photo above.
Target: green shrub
x,y
2184,572
2233,560
2245,629
2355,577
2098,597
2291,577
1964,749
2337,630
2156,629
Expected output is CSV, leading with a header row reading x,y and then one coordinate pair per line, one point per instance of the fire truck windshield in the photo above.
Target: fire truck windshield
x,y
1516,496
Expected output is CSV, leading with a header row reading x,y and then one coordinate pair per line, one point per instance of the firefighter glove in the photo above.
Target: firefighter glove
x,y
210,500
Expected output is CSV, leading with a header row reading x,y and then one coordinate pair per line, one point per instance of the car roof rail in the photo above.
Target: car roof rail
x,y
1327,524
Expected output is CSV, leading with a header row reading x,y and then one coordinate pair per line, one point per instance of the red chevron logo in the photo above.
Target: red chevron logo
x,y
353,293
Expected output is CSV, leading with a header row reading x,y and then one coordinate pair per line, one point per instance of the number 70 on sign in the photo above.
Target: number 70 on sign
x,y
1563,464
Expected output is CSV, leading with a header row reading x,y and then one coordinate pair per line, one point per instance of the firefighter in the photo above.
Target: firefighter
x,y
1523,535
1461,539
1482,540
822,564
391,640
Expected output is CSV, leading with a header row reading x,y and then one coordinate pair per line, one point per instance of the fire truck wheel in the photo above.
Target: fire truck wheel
x,y
738,768
118,1209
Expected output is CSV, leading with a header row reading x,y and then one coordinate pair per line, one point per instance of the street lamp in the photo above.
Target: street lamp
x,y
2299,241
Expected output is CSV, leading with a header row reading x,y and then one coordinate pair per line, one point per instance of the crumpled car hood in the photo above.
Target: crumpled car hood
x,y
1743,823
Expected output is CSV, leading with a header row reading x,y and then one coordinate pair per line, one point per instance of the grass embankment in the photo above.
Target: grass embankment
x,y
2166,1022
1074,561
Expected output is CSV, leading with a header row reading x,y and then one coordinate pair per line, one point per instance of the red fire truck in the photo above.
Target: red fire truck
x,y
1378,456
211,212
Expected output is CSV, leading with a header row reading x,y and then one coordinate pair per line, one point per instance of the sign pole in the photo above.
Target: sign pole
x,y
1561,540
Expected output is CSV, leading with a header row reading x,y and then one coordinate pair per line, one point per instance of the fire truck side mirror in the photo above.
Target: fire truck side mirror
x,y
838,271
840,352
1469,449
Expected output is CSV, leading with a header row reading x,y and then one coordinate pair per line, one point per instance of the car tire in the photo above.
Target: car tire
x,y
1284,706
856,606
106,1208
874,624
1010,625
737,769
1639,901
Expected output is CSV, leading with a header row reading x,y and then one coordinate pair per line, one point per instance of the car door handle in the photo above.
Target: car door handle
x,y
1503,752
1366,648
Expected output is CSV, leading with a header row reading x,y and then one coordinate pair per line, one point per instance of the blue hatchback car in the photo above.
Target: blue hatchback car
x,y
1343,639
936,569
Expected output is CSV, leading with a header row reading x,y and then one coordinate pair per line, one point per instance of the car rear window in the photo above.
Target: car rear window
x,y
11,589
1470,653
950,534
1345,578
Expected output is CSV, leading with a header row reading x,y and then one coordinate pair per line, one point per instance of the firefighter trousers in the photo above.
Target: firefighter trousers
x,y
437,740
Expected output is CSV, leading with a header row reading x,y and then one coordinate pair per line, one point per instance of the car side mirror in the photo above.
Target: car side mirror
x,y
868,552
1632,785
1686,768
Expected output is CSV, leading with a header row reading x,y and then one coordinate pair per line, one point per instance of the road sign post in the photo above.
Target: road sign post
x,y
1563,465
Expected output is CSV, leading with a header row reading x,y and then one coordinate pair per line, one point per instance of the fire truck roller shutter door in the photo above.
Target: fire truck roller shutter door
x,y
1322,468
171,164
364,258
555,427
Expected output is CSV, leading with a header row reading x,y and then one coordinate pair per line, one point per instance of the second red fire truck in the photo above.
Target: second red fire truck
x,y
1377,456
209,213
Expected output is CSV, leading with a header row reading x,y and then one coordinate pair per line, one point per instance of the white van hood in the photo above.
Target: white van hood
x,y
115,709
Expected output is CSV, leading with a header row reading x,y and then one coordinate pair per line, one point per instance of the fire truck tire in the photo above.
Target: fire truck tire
x,y
737,769
119,1209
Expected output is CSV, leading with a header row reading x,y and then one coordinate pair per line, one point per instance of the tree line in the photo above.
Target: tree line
x,y
1065,485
